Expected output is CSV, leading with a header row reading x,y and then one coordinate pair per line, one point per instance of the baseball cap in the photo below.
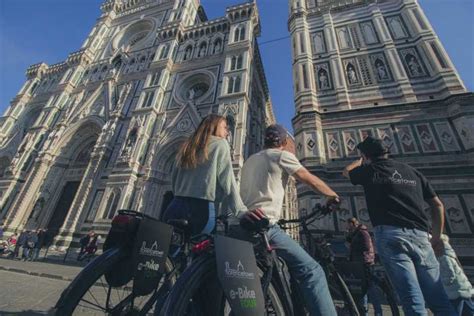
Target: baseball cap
x,y
372,147
275,134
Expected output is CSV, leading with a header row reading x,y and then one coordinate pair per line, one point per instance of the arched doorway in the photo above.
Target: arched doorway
x,y
69,185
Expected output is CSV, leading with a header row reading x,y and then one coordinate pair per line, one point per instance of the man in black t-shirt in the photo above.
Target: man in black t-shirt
x,y
395,194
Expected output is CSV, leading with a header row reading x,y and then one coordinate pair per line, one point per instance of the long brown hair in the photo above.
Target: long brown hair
x,y
194,150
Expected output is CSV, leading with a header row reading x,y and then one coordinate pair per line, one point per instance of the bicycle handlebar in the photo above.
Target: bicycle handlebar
x,y
318,210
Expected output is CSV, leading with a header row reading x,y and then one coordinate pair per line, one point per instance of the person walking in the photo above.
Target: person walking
x,y
455,282
361,250
40,234
395,194
263,180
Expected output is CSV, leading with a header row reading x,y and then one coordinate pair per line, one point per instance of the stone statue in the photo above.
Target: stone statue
x,y
415,68
132,139
217,46
202,51
187,53
323,80
381,71
351,75
37,208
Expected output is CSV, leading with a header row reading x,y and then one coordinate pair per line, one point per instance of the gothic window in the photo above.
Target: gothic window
x,y
239,33
236,62
148,99
234,85
165,51
155,79
188,53
202,50
217,46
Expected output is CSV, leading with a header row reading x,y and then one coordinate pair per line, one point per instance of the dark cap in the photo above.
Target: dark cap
x,y
275,135
372,147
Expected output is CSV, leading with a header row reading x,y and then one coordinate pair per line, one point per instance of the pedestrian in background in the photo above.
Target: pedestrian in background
x,y
455,281
19,244
361,249
40,236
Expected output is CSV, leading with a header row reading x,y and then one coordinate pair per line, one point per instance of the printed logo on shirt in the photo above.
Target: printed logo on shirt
x,y
395,178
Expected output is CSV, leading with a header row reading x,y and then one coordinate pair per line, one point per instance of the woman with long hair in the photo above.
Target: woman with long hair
x,y
203,176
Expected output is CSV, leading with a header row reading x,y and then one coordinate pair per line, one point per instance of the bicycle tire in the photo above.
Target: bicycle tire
x,y
388,295
87,279
203,271
340,291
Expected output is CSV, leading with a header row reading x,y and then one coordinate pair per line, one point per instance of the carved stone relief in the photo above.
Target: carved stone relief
x,y
446,136
407,140
455,217
427,140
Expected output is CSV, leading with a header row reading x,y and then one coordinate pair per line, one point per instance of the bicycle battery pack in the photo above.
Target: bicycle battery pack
x,y
149,255
239,277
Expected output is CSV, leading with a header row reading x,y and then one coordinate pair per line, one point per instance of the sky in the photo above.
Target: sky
x,y
33,31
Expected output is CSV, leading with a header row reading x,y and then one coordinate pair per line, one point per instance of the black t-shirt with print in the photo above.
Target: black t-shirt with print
x,y
395,193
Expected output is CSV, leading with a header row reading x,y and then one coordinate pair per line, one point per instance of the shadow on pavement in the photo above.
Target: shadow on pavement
x,y
24,313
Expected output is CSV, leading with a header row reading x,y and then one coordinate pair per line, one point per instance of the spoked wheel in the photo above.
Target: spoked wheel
x,y
90,294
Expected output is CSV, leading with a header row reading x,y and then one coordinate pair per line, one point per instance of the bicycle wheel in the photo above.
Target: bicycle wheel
x,y
385,296
191,292
90,294
341,296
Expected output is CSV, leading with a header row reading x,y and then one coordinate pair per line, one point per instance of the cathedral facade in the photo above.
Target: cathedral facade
x,y
366,67
100,130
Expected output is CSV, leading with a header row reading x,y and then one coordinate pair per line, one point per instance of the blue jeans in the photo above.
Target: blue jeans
x,y
200,214
309,275
373,295
411,265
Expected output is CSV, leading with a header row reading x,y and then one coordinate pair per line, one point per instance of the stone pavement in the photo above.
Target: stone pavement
x,y
48,269
32,288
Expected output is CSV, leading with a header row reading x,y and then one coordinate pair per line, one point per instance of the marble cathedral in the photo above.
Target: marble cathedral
x,y
366,67
99,131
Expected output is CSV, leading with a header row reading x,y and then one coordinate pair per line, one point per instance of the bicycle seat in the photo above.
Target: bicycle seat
x,y
179,223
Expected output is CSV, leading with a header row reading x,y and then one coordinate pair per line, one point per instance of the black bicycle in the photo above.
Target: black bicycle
x,y
321,250
348,281
281,296
106,285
